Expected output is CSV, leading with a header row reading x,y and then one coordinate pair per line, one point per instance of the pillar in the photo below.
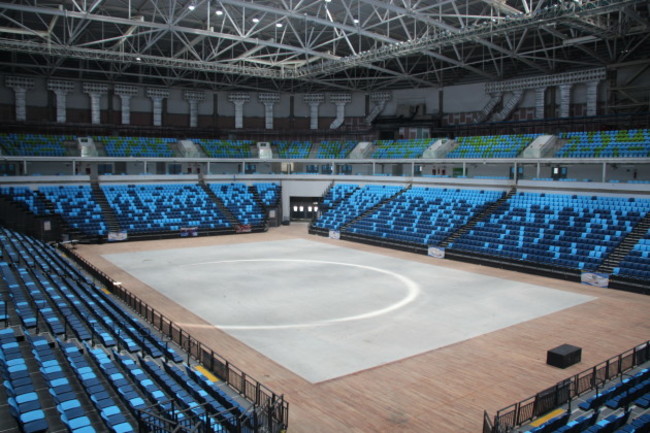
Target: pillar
x,y
379,101
313,100
239,99
565,99
340,100
592,98
20,86
157,95
95,91
61,88
126,93
269,100
540,102
193,97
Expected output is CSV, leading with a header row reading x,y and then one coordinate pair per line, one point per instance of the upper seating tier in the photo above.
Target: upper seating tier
x,y
632,143
491,146
35,144
402,148
225,148
154,147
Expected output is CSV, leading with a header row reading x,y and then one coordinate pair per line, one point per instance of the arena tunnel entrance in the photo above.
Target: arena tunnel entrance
x,y
303,208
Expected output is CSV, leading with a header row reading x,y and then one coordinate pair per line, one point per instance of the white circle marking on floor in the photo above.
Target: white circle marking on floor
x,y
412,292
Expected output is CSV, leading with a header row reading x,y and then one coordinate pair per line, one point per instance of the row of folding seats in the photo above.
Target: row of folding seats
x,y
35,144
293,149
598,399
87,312
77,206
335,149
636,263
60,388
147,384
610,424
215,401
146,208
136,146
336,193
402,148
640,424
579,424
208,385
562,230
132,334
639,392
226,410
491,146
22,398
119,382
240,202
605,144
173,387
424,216
354,205
41,302
269,193
22,305
109,410
225,148
27,197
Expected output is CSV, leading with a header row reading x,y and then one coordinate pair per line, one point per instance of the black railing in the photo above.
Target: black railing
x,y
262,397
564,391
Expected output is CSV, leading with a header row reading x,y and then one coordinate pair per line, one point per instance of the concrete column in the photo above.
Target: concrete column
x,y
565,99
340,100
126,93
379,101
20,86
540,100
592,98
95,91
193,97
269,100
157,95
239,99
61,88
314,100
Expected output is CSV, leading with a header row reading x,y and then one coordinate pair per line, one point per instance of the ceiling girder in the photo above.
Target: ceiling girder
x,y
310,43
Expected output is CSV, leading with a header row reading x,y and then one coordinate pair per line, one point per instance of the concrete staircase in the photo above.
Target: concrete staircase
x,y
472,222
626,245
110,218
222,207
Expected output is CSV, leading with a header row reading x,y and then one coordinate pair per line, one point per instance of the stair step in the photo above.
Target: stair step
x,y
373,208
615,258
222,207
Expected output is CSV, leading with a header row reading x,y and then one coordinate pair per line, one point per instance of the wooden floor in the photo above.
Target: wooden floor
x,y
445,390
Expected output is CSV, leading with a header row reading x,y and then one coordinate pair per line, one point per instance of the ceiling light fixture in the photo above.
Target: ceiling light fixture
x,y
191,6
278,25
356,21
218,12
256,20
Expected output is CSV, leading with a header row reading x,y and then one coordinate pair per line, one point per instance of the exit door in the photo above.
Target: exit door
x,y
303,208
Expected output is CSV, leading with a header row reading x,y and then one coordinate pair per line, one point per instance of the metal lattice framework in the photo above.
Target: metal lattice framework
x,y
317,45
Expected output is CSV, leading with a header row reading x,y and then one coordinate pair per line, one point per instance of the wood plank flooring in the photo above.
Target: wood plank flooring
x,y
445,390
